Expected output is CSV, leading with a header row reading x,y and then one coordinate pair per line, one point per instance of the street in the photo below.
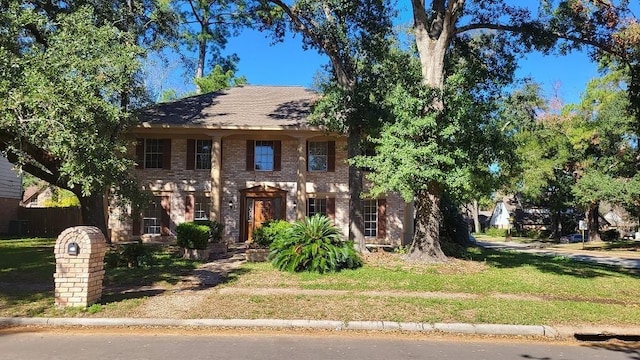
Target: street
x,y
158,344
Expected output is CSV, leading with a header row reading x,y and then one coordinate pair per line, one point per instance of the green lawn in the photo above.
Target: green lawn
x,y
494,287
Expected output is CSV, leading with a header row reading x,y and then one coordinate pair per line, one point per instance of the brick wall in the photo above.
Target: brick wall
x,y
8,212
178,183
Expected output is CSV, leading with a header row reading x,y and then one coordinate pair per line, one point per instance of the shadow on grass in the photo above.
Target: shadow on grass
x,y
558,265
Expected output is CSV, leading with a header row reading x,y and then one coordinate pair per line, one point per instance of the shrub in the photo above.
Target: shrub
x,y
269,232
193,236
610,235
215,229
313,244
129,255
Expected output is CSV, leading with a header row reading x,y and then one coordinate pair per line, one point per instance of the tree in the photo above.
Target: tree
x,y
68,83
445,24
206,26
353,39
219,79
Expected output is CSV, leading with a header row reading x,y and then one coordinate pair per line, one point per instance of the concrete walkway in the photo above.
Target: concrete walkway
x,y
627,262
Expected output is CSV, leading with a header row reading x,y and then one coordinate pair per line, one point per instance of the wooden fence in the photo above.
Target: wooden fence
x,y
47,222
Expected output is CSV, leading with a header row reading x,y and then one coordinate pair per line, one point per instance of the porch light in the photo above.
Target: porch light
x,y
294,204
230,204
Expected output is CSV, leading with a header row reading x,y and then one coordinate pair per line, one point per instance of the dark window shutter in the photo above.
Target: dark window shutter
x,y
136,225
382,218
139,153
191,154
331,208
277,155
331,156
165,219
188,208
250,155
166,154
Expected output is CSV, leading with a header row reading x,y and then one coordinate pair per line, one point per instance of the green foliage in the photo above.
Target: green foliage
x,y
193,236
495,232
129,255
218,79
61,198
269,232
215,229
314,245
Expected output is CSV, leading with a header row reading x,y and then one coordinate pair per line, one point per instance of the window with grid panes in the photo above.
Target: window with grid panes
x,y
203,154
370,212
316,206
264,155
318,155
151,217
201,208
153,153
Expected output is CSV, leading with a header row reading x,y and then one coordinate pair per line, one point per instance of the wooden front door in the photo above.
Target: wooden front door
x,y
260,211
258,205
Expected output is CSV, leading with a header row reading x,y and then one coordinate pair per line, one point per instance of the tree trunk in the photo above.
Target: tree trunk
x,y
356,218
593,221
475,213
202,53
92,208
425,245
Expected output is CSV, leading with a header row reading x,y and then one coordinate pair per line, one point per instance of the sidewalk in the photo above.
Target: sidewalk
x,y
627,262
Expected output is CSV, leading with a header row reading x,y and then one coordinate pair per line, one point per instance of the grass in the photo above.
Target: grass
x,y
490,287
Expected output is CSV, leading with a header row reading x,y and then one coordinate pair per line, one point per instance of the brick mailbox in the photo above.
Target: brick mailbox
x,y
79,253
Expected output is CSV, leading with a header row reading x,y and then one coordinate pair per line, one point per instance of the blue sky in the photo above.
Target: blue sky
x,y
287,64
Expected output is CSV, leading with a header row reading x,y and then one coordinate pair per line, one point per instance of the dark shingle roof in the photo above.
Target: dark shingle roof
x,y
246,106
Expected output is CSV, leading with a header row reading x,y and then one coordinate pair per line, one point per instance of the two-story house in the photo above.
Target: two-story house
x,y
243,156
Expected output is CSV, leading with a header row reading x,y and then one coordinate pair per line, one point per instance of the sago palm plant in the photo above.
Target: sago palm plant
x,y
313,244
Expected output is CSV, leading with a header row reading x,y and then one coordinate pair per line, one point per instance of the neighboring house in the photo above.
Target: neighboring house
x,y
243,156
36,196
10,195
501,217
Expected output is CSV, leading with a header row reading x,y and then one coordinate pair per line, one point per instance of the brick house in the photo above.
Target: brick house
x,y
243,156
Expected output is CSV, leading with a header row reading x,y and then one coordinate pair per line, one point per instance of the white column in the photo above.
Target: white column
x,y
301,190
216,178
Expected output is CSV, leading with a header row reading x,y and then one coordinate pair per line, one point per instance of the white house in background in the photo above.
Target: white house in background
x,y
500,216
10,194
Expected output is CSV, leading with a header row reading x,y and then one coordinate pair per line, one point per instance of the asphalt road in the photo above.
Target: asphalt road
x,y
158,345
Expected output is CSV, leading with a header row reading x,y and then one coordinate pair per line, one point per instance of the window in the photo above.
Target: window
x,y
153,154
316,206
152,215
370,209
264,156
203,154
201,208
318,155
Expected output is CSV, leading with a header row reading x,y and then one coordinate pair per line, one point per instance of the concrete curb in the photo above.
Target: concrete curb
x,y
458,328
561,332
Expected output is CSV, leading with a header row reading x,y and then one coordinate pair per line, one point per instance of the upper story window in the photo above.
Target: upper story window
x,y
203,154
264,155
153,154
321,156
318,155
